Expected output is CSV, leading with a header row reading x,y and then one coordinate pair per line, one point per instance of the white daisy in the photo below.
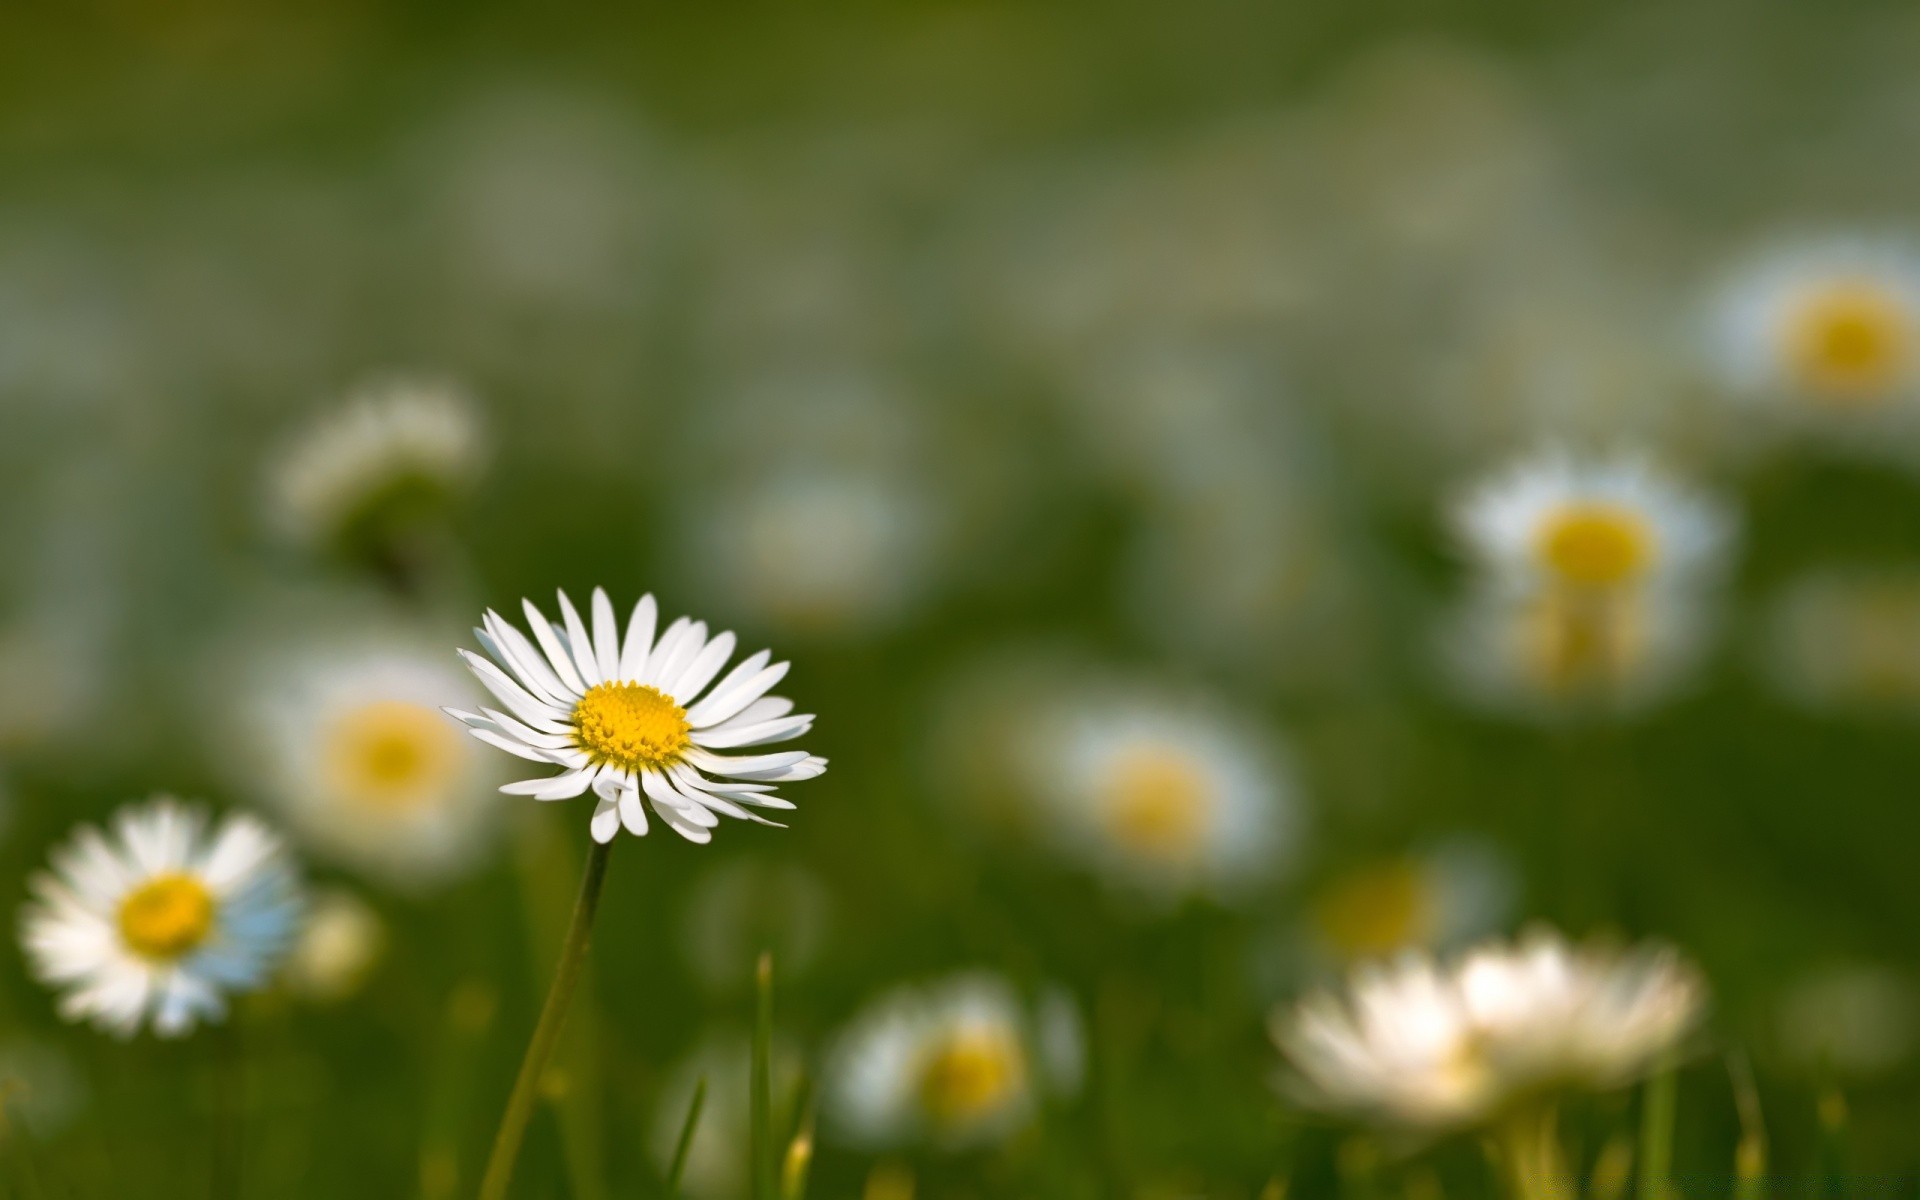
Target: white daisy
x,y
633,714
1426,1046
348,741
958,1064
394,443
1827,330
1587,527
158,918
1168,798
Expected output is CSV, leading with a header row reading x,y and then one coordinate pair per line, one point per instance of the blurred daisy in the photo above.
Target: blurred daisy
x,y
1457,890
393,448
348,741
159,917
1590,527
1827,329
340,941
632,714
1848,638
957,1064
1169,798
1428,1047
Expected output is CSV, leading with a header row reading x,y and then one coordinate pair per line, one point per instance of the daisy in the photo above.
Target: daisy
x,y
958,1064
630,715
156,919
393,444
1166,798
1597,527
348,742
1828,329
1425,1046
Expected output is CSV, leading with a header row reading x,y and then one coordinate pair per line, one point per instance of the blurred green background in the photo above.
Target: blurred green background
x,y
1154,338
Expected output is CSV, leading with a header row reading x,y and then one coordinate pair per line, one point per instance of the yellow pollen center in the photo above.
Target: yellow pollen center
x,y
1851,342
1377,910
1596,545
969,1075
393,756
166,917
630,726
1158,804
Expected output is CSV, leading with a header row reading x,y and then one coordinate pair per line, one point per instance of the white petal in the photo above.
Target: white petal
x,y
633,814
510,746
527,660
555,650
730,736
746,766
527,734
674,662
557,787
536,713
579,643
668,644
606,636
633,653
692,681
605,822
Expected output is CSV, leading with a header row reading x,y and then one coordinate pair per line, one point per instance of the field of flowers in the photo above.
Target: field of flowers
x,y
930,602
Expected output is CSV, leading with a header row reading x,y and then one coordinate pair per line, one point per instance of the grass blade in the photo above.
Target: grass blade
x,y
764,1179
684,1144
1656,1133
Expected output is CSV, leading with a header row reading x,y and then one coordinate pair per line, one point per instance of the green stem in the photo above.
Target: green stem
x,y
553,1015
684,1145
761,1084
1528,1152
1656,1133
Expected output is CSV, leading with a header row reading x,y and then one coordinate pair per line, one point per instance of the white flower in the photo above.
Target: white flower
x,y
158,918
1168,798
347,740
1827,329
340,941
1434,1047
1587,527
397,441
957,1063
632,714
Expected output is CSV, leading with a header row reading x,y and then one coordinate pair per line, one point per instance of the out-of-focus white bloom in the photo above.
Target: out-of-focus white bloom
x,y
159,918
1425,1046
392,446
40,1086
1826,333
1856,1020
340,941
716,1167
1591,526
954,1064
1450,893
744,907
630,714
1157,795
818,550
1848,639
347,740
1592,583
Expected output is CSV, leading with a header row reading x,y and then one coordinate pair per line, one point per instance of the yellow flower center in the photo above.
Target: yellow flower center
x,y
630,726
969,1075
166,917
1158,804
1596,545
1377,910
1572,643
392,756
1851,341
